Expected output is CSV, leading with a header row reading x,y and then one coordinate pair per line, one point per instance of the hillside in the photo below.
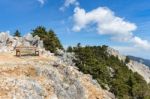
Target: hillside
x,y
42,77
39,78
89,72
125,78
132,64
141,60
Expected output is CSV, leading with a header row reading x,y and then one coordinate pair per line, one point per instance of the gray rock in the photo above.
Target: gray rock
x,y
9,43
3,38
29,37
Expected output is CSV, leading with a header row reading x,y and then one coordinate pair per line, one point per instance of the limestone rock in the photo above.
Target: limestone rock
x,y
38,78
9,43
140,68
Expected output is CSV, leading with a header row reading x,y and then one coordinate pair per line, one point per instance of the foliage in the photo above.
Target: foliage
x,y
110,71
127,60
17,33
50,40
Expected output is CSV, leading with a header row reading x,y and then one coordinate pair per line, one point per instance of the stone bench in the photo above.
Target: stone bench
x,y
27,50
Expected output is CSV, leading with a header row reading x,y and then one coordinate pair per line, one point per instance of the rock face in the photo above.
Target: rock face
x,y
40,78
116,53
140,68
135,66
9,43
44,77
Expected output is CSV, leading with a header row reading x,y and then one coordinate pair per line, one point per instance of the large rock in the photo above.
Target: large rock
x,y
66,57
9,43
28,37
4,38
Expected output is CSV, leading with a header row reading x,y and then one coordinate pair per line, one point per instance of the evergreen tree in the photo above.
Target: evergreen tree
x,y
17,33
110,72
127,60
50,40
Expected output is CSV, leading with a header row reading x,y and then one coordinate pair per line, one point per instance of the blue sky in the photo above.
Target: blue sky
x,y
64,15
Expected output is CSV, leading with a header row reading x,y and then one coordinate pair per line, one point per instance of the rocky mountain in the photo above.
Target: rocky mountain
x,y
141,60
133,64
57,76
44,77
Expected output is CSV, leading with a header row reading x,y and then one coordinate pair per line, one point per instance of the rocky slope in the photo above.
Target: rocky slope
x,y
135,66
43,77
141,60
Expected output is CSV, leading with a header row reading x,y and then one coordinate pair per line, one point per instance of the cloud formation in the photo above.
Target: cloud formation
x,y
67,3
108,24
141,43
105,20
42,2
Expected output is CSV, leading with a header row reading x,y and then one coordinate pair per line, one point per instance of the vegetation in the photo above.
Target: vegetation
x,y
110,71
127,60
17,33
50,40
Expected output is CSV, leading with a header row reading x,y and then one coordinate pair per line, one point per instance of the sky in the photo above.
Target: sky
x,y
121,24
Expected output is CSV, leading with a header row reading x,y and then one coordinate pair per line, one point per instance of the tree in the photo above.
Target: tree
x,y
110,72
50,40
17,33
69,49
127,60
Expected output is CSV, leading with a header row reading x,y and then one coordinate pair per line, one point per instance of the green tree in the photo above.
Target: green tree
x,y
69,49
109,71
50,40
17,33
127,60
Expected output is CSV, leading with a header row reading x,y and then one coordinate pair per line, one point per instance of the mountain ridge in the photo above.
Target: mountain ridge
x,y
90,72
141,60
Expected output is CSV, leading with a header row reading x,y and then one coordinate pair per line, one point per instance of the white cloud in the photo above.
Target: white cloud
x,y
42,2
108,24
141,43
105,20
71,2
68,3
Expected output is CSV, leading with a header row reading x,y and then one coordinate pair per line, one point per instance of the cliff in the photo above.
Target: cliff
x,y
135,66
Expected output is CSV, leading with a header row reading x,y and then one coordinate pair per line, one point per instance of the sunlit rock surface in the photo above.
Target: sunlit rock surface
x,y
40,77
135,66
9,43
43,77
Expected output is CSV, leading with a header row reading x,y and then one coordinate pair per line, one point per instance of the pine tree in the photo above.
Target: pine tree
x,y
17,33
50,40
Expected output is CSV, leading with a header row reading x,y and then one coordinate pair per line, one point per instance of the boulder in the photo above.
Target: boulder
x,y
4,36
40,44
28,37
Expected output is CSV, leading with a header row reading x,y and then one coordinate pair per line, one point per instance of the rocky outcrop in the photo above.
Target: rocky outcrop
x,y
41,78
44,77
115,53
135,66
140,68
9,43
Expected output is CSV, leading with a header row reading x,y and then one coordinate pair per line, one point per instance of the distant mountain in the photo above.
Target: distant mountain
x,y
141,60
